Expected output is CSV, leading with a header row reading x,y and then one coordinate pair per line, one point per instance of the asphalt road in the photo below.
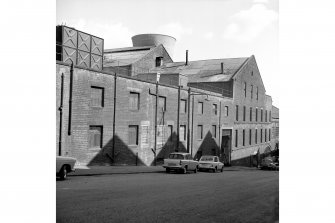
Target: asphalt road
x,y
231,196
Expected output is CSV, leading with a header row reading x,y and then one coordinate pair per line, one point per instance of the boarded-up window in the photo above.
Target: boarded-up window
x,y
200,107
226,110
215,109
199,131
97,96
134,101
95,136
144,135
182,132
133,135
183,106
161,103
214,131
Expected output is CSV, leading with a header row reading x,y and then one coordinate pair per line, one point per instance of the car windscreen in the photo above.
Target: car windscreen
x,y
207,158
176,156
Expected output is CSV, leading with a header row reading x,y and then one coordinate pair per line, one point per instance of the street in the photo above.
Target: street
x,y
246,195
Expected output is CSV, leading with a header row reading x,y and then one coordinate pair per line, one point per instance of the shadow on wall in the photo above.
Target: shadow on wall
x,y
123,155
169,147
208,147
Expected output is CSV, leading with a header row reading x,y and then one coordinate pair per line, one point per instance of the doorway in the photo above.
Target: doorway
x,y
226,146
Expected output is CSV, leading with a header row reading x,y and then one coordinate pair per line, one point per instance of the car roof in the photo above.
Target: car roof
x,y
179,153
208,156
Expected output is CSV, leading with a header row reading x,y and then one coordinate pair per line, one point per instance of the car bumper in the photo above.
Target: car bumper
x,y
173,167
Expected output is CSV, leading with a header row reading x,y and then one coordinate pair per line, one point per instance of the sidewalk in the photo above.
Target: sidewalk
x,y
108,170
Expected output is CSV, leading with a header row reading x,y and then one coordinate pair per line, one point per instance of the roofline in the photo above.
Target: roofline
x,y
126,49
156,34
212,59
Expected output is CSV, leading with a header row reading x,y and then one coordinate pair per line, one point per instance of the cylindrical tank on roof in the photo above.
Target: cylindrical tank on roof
x,y
154,40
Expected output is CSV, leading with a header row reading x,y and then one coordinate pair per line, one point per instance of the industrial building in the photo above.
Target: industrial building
x,y
135,105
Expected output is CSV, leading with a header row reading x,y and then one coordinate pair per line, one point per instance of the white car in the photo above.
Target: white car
x,y
182,162
210,163
64,165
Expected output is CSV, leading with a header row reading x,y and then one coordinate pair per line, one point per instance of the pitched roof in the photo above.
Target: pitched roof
x,y
205,70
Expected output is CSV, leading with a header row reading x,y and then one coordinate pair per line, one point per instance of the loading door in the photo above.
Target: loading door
x,y
226,146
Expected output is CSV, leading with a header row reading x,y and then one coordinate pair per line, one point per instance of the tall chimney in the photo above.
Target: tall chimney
x,y
221,68
186,57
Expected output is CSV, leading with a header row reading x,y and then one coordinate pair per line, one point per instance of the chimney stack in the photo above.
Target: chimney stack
x,y
221,68
186,57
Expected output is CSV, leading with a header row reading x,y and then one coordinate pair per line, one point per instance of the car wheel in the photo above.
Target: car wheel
x,y
184,170
215,170
222,169
63,173
167,170
196,169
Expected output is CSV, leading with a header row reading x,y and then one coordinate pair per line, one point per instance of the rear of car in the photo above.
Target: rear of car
x,y
212,163
180,162
64,165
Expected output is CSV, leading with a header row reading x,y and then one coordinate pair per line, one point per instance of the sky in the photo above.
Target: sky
x,y
208,29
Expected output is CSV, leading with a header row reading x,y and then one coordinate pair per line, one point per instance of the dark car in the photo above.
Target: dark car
x,y
270,163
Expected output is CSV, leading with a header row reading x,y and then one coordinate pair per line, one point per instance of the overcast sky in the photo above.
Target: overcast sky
x,y
209,29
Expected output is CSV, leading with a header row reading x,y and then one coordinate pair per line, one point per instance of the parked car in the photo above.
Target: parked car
x,y
64,165
210,163
270,163
181,162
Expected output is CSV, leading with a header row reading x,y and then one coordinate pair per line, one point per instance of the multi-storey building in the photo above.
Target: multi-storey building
x,y
142,106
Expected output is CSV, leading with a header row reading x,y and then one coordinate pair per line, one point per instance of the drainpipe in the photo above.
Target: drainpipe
x,y
178,112
188,119
220,131
156,110
114,115
70,99
186,63
61,116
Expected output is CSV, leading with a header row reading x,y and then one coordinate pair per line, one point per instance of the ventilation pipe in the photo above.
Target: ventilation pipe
x,y
186,57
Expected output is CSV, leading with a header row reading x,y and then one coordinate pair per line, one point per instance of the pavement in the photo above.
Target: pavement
x,y
107,170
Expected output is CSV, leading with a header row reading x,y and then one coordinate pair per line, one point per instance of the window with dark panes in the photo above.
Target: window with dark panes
x,y
250,136
251,91
245,89
159,61
215,109
261,135
95,136
200,107
199,132
226,109
250,113
133,135
183,106
214,131
266,115
97,96
243,137
169,133
236,112
182,132
266,136
261,114
161,103
270,118
257,93
269,134
134,101
255,136
256,114
244,111
236,138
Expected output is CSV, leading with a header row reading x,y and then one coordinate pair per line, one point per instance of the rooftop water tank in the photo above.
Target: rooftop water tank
x,y
154,40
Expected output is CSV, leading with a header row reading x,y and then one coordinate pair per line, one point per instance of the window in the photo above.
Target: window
x,y
265,138
255,136
252,73
95,136
244,111
200,107
161,103
250,136
269,134
236,138
183,106
214,131
256,114
134,101
245,89
133,135
200,127
226,111
261,135
250,113
257,93
261,114
252,91
243,137
270,118
215,109
159,61
266,115
97,96
236,112
169,132
182,132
